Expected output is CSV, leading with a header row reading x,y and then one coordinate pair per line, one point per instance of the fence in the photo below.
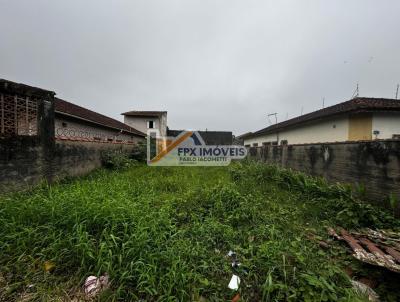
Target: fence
x,y
373,166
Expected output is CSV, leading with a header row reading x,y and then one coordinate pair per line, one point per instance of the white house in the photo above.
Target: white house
x,y
146,120
358,119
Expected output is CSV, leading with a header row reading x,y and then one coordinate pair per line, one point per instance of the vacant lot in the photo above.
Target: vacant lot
x,y
162,234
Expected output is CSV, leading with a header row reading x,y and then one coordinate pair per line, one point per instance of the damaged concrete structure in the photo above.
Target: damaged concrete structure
x,y
43,138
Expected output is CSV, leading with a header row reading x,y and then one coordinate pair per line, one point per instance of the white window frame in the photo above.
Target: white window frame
x,y
148,124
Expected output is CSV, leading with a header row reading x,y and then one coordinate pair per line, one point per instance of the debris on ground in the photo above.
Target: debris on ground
x,y
30,287
236,298
94,285
49,266
381,248
234,283
231,254
364,290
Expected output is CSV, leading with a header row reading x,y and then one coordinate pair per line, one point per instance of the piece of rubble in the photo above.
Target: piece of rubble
x,y
231,254
323,244
333,233
49,266
372,252
94,285
365,290
236,298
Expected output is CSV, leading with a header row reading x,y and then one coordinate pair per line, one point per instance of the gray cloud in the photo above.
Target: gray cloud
x,y
221,65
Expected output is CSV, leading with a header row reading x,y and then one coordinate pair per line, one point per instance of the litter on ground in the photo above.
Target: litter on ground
x,y
234,283
94,285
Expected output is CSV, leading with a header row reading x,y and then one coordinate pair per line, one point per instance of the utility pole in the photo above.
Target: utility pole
x,y
323,102
397,90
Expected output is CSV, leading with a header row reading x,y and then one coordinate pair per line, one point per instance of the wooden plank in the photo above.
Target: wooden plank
x,y
392,252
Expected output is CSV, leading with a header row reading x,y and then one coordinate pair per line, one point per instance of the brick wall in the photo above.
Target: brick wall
x,y
374,164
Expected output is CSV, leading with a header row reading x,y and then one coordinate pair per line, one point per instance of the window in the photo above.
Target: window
x,y
266,143
150,124
284,142
255,145
247,146
18,115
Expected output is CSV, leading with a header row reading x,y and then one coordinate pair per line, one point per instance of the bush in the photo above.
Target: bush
x,y
116,160
139,152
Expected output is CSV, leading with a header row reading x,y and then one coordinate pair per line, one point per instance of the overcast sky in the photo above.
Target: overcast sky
x,y
218,64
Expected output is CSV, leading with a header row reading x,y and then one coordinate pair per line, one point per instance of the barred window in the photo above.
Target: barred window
x,y
18,116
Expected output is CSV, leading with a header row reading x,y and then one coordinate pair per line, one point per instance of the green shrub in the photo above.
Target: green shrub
x,y
139,152
116,160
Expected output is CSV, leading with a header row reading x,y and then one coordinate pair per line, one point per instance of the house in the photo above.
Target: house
x,y
212,138
239,140
147,120
73,122
46,138
359,119
22,111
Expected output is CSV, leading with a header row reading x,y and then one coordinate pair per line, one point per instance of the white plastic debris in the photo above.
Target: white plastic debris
x,y
236,264
94,285
234,283
231,254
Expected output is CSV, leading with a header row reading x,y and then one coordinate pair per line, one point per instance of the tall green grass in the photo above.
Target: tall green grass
x,y
162,234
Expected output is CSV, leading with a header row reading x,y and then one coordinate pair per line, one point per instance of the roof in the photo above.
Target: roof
x,y
244,135
144,113
67,108
209,137
356,105
22,89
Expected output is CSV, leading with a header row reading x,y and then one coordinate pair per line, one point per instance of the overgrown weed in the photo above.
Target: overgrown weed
x,y
162,234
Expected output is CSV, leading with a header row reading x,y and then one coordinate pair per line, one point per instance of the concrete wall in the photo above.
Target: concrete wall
x,y
387,124
140,123
374,164
24,162
79,158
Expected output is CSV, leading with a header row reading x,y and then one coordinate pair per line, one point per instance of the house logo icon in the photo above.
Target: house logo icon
x,y
189,149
